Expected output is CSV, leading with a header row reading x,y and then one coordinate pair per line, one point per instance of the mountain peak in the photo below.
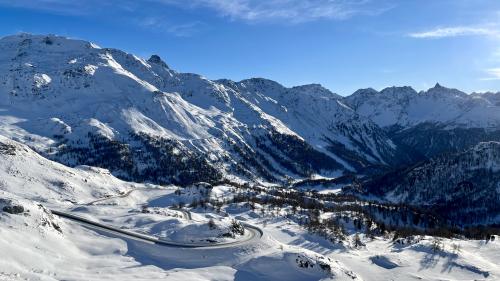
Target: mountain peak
x,y
438,89
365,91
45,42
262,83
311,86
399,91
315,89
156,59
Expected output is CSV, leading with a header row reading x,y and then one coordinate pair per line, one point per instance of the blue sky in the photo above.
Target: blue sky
x,y
341,44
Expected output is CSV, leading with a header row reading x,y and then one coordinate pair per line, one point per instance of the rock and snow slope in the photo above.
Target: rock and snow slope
x,y
404,107
431,122
70,99
78,103
462,187
31,176
41,246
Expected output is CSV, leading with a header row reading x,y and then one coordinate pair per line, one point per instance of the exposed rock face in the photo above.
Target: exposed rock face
x,y
155,59
15,209
11,207
429,123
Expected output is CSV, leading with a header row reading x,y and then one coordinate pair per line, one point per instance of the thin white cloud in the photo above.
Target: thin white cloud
x,y
250,11
180,30
456,31
289,11
132,9
185,30
493,74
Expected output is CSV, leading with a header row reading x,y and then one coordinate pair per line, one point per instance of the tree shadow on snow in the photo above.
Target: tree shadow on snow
x,y
167,257
451,263
317,244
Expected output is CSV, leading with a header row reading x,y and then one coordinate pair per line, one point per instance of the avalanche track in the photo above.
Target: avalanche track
x,y
253,233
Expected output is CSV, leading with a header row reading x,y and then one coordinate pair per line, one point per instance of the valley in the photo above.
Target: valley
x,y
117,167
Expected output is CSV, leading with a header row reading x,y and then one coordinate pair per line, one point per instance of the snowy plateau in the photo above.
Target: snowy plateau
x,y
114,167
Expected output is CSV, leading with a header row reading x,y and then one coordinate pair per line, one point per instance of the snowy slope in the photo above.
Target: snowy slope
x,y
77,103
70,99
322,119
41,246
432,122
404,107
28,175
462,187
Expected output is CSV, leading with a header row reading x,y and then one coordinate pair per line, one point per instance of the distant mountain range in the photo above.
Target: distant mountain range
x,y
77,103
434,121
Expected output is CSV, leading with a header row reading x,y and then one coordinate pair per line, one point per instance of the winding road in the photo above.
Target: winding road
x,y
253,233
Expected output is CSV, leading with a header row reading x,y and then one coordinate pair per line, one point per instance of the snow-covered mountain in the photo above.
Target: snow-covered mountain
x,y
40,245
86,132
404,107
434,121
462,187
77,103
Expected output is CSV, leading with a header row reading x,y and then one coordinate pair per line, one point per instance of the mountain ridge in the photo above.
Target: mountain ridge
x,y
255,128
69,99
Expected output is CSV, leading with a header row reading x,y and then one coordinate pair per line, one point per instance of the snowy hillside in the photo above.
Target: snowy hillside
x,y
44,246
462,187
117,167
29,175
431,122
404,107
77,103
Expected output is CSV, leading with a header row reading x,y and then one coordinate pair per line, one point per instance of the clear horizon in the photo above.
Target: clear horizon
x,y
343,45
